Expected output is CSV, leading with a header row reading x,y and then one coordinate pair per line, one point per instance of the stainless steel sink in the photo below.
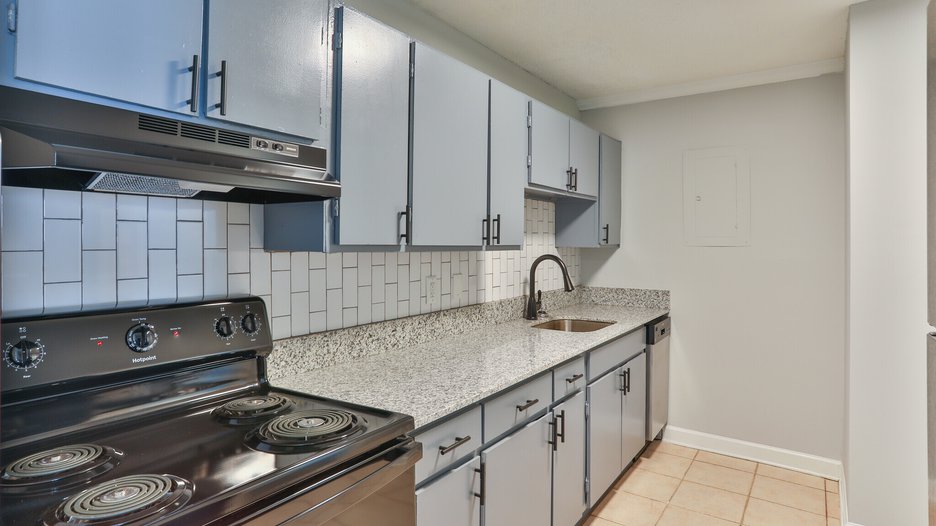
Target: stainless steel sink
x,y
568,325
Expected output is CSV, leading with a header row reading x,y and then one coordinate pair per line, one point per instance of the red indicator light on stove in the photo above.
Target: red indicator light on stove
x,y
175,333
100,343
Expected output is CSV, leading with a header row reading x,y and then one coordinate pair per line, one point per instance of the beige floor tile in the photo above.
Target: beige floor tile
x,y
728,462
832,485
674,516
833,522
665,464
720,477
791,476
763,513
672,449
648,484
629,510
598,521
832,505
710,501
789,494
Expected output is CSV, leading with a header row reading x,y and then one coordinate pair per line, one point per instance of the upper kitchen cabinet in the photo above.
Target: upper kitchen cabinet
x,y
372,74
563,152
266,63
144,52
449,152
584,224
508,177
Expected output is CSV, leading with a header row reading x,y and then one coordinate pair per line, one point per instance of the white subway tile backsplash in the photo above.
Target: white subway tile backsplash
x,y
59,297
22,218
189,210
131,292
162,222
129,207
62,261
238,249
215,221
98,279
22,283
131,250
59,204
98,221
190,288
215,274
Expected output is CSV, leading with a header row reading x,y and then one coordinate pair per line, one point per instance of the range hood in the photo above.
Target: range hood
x,y
53,142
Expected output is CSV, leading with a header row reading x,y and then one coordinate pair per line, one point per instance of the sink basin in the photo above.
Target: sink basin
x,y
567,325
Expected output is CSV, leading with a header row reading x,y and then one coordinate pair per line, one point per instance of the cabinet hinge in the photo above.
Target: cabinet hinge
x,y
336,41
412,70
334,209
587,489
587,410
529,121
11,17
529,161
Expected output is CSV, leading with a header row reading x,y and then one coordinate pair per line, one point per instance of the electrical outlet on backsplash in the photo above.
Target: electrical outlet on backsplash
x,y
80,251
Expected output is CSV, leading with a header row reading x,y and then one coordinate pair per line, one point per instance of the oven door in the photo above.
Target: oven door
x,y
378,490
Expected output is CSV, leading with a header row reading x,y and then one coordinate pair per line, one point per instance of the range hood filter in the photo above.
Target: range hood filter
x,y
146,185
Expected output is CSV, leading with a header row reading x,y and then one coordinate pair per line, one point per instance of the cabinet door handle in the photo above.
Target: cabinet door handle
x,y
569,184
574,378
528,404
485,234
496,238
575,180
553,431
444,450
483,491
407,215
561,432
628,380
625,380
607,231
223,75
193,102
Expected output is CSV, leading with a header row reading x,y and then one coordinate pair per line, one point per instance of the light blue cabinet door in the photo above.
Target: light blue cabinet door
x,y
372,65
604,434
450,128
583,157
274,53
634,420
609,194
450,500
518,477
508,178
139,52
569,501
549,147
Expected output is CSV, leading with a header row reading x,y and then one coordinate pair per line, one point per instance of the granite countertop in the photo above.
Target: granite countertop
x,y
435,379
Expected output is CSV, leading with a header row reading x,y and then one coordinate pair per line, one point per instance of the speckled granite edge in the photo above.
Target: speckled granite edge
x,y
306,353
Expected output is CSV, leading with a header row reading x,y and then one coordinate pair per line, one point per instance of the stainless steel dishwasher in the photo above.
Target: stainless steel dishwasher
x,y
658,361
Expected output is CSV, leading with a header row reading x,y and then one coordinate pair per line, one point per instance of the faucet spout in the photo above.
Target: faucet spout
x,y
531,310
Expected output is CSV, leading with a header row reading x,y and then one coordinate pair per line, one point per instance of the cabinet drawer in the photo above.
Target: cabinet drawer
x,y
568,378
464,429
517,405
611,354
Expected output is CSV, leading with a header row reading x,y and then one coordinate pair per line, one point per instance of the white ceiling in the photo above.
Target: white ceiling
x,y
603,50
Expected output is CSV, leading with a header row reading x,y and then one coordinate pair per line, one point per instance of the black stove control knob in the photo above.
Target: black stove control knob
x,y
250,324
141,337
224,327
24,354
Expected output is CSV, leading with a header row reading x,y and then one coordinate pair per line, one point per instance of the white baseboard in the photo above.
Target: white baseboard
x,y
775,456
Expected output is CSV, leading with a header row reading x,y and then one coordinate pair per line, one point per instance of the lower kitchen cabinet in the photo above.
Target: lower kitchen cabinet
x,y
617,423
452,500
569,499
517,476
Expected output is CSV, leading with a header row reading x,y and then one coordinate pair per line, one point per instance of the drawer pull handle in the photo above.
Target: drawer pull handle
x,y
443,450
528,404
575,378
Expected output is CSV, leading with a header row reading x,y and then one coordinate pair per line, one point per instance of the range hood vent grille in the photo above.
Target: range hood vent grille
x,y
192,131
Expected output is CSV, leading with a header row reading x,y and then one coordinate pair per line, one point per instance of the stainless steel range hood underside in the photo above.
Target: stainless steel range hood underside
x,y
50,142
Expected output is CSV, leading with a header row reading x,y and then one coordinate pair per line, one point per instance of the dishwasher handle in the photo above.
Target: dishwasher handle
x,y
659,331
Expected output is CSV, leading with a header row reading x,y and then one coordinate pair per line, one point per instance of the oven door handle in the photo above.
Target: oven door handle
x,y
321,504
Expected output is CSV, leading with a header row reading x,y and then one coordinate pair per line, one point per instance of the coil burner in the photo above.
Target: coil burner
x,y
252,409
125,500
61,466
305,429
